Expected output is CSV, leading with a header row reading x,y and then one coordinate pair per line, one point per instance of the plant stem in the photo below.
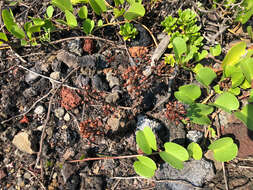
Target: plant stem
x,y
111,157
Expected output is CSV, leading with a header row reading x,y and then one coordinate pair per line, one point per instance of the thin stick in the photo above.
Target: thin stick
x,y
48,116
224,175
26,112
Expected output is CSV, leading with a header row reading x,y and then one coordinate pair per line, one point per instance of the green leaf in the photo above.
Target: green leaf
x,y
198,113
202,55
197,68
227,102
215,51
179,47
205,76
236,91
63,5
98,6
74,2
245,115
146,140
195,151
245,84
117,13
3,37
145,166
118,2
71,19
251,96
217,89
11,25
100,23
88,26
224,149
247,69
236,75
83,12
174,154
188,93
234,54
50,11
135,10
37,21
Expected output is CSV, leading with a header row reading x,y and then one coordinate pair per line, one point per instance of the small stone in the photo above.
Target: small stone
x,y
55,75
30,76
113,81
59,113
29,92
22,142
194,136
39,110
69,152
69,59
114,123
75,46
66,117
112,97
49,132
27,175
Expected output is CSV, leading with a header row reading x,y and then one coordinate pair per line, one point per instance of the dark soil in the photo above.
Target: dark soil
x,y
92,110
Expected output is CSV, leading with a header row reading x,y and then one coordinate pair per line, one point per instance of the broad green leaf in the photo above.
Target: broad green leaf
x,y
247,69
83,12
50,11
236,75
3,37
17,32
11,25
100,23
63,5
37,21
35,28
245,84
98,6
117,13
145,166
146,140
234,54
8,19
198,113
188,93
74,2
195,151
205,76
71,19
236,91
135,10
220,143
197,68
217,89
174,154
245,115
202,55
227,102
118,2
215,51
88,26
179,47
224,149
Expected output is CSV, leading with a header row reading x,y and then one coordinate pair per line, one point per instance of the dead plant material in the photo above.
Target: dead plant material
x,y
69,98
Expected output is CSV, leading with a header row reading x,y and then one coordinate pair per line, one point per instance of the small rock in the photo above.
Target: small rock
x,y
75,46
27,175
113,81
112,97
67,170
69,59
143,121
69,152
55,75
29,92
82,81
114,123
59,112
194,136
196,172
23,143
39,110
73,182
49,132
99,83
31,77
66,117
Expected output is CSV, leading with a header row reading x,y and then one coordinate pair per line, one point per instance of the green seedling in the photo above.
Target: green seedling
x,y
175,154
128,31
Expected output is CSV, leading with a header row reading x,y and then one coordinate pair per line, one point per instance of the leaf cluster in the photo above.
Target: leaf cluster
x,y
175,154
128,31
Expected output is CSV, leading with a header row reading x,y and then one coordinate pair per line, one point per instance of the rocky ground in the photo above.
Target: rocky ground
x,y
83,97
